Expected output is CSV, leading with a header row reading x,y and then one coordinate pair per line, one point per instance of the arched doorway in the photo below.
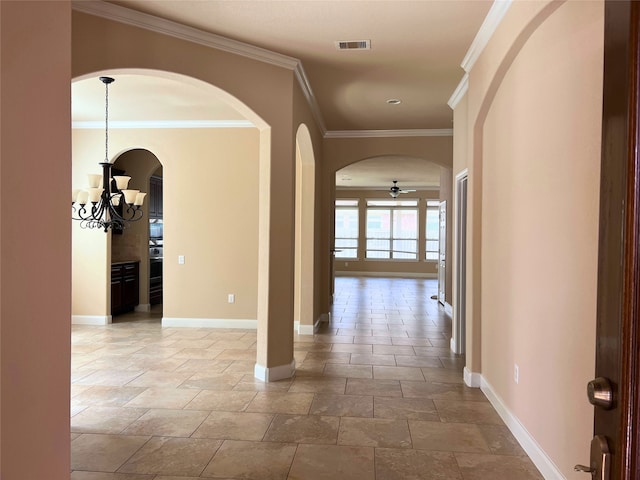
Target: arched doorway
x,y
195,128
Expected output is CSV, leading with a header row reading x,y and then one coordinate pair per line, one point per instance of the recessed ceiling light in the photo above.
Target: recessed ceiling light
x,y
394,101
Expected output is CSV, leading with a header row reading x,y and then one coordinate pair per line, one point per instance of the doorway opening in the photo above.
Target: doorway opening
x,y
458,337
138,249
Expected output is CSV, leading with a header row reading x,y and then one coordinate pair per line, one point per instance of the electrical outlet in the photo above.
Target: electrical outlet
x,y
180,259
516,373
231,298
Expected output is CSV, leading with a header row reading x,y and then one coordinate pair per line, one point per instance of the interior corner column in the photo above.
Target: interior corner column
x,y
276,256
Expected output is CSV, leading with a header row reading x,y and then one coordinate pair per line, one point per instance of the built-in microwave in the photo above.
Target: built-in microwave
x,y
155,229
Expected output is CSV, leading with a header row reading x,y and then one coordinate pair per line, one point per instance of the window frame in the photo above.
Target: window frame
x,y
354,206
392,209
434,207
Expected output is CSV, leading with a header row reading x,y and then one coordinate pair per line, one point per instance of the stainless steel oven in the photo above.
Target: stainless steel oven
x,y
155,229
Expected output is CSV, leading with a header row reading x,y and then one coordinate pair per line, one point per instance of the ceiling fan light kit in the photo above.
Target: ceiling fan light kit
x,y
395,190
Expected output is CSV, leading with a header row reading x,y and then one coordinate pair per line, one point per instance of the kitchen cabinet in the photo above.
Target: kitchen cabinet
x,y
155,281
155,197
125,287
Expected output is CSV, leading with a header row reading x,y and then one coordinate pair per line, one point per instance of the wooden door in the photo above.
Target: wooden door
x,y
618,326
442,249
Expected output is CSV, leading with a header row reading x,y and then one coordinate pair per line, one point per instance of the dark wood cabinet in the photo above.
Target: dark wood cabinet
x,y
125,286
155,197
155,281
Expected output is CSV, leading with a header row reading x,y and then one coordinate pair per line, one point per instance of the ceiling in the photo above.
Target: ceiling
x,y
416,50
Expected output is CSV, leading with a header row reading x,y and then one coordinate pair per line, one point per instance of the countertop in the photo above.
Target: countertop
x,y
125,261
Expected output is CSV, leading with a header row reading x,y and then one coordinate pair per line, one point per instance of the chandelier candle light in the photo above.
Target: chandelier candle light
x,y
105,192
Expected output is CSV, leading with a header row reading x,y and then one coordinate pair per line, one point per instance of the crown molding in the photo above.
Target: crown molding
x,y
303,81
127,16
459,92
488,27
433,132
164,124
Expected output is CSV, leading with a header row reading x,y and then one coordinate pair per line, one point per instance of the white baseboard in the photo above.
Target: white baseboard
x,y
541,460
90,319
143,307
448,309
472,379
386,274
209,323
303,329
273,374
307,329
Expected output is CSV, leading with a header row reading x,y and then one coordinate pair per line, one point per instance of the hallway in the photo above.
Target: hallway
x,y
377,395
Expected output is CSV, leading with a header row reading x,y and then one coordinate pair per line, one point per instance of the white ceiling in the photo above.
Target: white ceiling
x,y
416,50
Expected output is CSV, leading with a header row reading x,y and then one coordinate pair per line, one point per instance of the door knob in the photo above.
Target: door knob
x,y
600,393
584,469
600,459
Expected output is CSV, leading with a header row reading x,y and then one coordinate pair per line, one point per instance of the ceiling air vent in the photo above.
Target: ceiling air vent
x,y
354,45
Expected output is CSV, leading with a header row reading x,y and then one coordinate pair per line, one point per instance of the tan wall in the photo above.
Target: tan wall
x,y
340,152
35,273
446,195
311,157
264,93
210,189
361,265
460,137
460,129
539,152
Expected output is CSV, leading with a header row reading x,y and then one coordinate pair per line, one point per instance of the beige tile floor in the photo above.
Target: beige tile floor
x,y
377,395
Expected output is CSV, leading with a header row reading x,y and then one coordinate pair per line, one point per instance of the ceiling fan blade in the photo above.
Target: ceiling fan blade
x,y
406,191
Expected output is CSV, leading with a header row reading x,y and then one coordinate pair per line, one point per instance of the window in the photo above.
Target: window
x,y
346,243
392,229
432,230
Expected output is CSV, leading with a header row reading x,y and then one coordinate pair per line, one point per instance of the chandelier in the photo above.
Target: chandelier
x,y
107,202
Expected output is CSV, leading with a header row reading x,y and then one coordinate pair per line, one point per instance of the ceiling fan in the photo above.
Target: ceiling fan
x,y
396,190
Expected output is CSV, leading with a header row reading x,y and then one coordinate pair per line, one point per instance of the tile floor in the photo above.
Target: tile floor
x,y
377,395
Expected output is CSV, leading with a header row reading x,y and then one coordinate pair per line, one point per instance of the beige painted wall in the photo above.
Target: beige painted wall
x,y
35,272
265,94
210,189
446,195
361,265
340,152
536,154
309,146
461,131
